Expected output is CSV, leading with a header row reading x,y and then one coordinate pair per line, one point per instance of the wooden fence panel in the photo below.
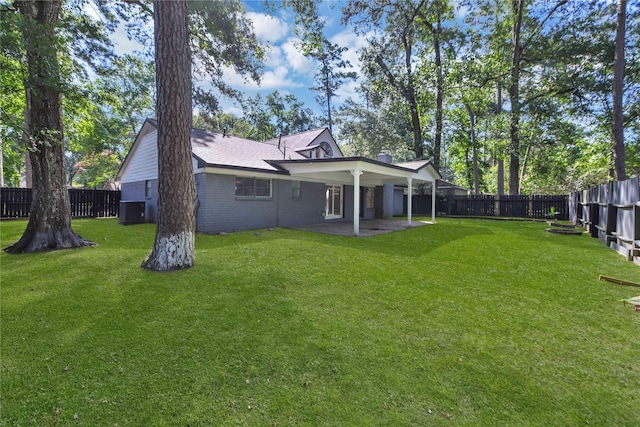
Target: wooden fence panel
x,y
85,203
15,202
489,205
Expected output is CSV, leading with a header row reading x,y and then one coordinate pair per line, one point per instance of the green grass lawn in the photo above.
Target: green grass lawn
x,y
466,322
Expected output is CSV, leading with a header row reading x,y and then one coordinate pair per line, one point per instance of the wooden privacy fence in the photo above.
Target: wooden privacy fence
x,y
544,206
16,202
611,213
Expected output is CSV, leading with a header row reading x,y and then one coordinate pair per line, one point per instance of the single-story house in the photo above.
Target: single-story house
x,y
290,181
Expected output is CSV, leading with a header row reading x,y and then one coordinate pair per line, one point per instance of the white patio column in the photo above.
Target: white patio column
x,y
409,199
433,201
356,201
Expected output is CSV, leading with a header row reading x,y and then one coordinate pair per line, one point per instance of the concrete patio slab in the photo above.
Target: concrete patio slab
x,y
368,227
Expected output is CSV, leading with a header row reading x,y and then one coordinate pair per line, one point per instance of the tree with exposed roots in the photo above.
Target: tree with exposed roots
x,y
49,225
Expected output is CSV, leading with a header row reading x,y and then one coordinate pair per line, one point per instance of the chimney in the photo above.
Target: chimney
x,y
385,157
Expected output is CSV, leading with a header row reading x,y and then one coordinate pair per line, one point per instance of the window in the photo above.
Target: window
x,y
295,189
327,149
370,199
147,189
333,202
253,187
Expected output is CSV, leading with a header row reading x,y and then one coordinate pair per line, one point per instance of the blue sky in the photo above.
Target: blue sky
x,y
285,68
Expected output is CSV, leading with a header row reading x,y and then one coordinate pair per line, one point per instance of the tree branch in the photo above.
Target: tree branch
x,y
549,92
141,5
537,30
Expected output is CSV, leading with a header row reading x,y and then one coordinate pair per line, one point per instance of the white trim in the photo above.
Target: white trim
x,y
356,201
409,199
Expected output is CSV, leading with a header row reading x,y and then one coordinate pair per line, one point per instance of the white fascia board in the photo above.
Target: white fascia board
x,y
243,172
340,172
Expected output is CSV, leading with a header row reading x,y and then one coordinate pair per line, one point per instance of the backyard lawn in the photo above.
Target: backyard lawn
x,y
465,322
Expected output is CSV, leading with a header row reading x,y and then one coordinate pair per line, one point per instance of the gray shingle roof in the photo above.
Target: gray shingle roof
x,y
298,140
226,150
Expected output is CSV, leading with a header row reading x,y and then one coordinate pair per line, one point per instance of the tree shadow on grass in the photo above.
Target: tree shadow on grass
x,y
412,242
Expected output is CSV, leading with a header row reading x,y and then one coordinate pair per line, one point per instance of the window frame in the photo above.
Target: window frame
x,y
296,190
256,191
147,189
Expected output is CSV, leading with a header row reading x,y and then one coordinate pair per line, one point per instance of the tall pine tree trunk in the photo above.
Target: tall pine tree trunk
x,y
474,147
410,96
514,97
618,88
174,246
437,145
49,225
500,184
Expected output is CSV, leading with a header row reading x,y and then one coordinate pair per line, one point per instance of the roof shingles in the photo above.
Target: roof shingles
x,y
217,149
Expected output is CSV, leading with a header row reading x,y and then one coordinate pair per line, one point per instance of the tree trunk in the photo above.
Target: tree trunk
x,y
328,92
523,172
410,96
514,97
28,170
49,225
472,131
439,89
499,154
618,88
1,165
174,246
500,177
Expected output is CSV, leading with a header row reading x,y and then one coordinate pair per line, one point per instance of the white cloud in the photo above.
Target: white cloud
x,y
233,109
274,57
353,43
295,59
268,28
277,78
347,91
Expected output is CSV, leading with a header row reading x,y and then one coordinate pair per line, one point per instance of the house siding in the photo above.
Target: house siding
x,y
219,210
305,210
144,161
134,192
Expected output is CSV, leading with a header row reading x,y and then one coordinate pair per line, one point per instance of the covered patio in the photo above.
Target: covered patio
x,y
363,172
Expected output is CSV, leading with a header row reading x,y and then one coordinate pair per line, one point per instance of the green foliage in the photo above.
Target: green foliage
x,y
221,36
379,126
260,333
262,118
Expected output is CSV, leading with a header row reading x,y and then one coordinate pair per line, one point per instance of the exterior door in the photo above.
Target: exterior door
x,y
333,202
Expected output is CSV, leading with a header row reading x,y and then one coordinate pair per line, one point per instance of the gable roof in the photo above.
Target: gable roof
x,y
216,149
302,140
277,155
418,165
226,151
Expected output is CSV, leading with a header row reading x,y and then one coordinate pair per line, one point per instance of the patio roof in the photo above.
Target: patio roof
x,y
360,171
372,172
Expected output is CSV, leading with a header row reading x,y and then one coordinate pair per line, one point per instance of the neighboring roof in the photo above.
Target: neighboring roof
x,y
442,184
